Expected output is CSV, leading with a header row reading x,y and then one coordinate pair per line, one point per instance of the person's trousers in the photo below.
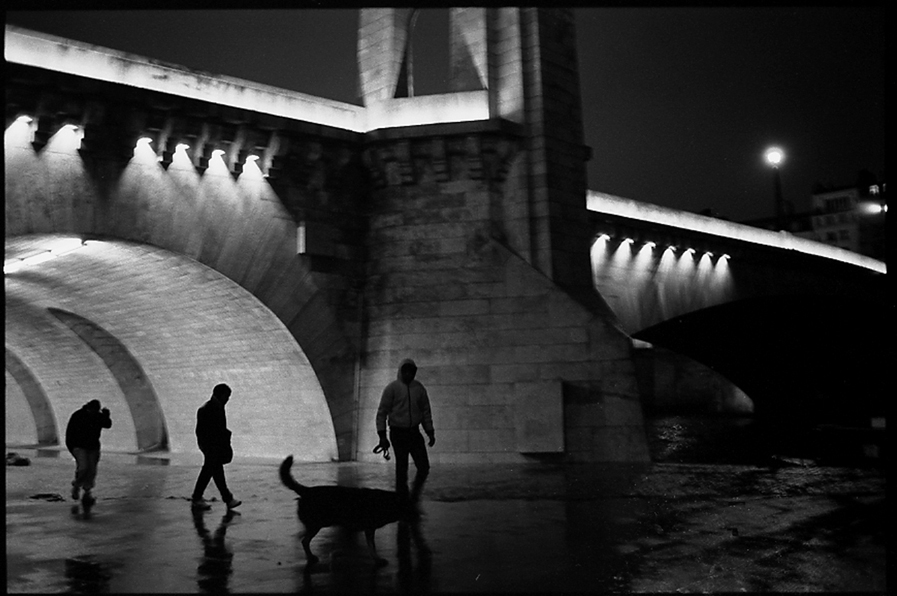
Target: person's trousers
x,y
212,469
86,461
405,442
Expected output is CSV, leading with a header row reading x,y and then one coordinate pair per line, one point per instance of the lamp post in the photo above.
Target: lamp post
x,y
775,156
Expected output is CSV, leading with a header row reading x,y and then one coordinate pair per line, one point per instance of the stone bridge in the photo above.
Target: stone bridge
x,y
167,230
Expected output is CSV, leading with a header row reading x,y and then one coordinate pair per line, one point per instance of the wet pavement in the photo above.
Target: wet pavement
x,y
659,527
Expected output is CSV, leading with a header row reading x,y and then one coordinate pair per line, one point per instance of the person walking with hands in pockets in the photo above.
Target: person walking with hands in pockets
x,y
213,438
405,406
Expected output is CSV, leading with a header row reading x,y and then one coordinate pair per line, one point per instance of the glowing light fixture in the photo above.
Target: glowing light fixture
x,y
25,119
604,237
218,153
252,158
650,244
873,208
774,156
144,141
627,241
181,147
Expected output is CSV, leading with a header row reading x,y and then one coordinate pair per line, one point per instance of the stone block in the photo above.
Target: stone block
x,y
492,440
452,441
539,417
513,373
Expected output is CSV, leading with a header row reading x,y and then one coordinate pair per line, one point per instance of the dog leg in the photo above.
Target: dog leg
x,y
306,544
372,547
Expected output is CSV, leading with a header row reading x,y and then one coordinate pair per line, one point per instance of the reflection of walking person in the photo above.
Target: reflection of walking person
x,y
216,565
406,406
82,439
213,438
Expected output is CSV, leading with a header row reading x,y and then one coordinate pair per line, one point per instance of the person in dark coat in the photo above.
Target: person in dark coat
x,y
213,439
82,439
405,406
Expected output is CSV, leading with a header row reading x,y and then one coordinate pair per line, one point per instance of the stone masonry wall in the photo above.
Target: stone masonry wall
x,y
514,366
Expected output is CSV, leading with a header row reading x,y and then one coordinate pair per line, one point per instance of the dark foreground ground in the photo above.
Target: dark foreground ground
x,y
663,527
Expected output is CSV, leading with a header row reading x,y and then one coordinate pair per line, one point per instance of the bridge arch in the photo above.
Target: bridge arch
x,y
212,227
149,333
46,431
140,396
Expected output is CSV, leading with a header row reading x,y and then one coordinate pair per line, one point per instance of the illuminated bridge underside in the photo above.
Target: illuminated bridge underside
x,y
84,324
795,324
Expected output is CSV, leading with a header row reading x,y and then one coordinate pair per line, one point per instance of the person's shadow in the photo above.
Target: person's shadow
x,y
216,565
413,579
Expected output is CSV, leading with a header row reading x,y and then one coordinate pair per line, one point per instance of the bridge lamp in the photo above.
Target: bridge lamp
x,y
650,244
774,157
604,237
181,147
218,153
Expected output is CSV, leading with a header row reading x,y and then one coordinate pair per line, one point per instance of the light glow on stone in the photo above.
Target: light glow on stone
x,y
612,205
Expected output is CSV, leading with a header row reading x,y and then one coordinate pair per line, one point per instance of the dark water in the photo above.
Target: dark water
x,y
744,440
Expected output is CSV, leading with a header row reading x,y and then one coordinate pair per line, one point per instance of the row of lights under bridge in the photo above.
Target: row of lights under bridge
x,y
144,145
638,246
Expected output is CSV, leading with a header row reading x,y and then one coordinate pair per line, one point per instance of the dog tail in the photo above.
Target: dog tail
x,y
288,479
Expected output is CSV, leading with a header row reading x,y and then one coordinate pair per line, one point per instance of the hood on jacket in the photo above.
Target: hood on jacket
x,y
402,364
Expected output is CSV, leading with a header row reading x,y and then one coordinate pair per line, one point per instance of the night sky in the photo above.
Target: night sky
x,y
679,103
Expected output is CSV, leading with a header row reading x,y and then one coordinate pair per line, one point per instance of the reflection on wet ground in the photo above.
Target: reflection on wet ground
x,y
659,527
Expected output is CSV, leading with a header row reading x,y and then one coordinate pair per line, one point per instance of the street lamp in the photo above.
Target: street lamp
x,y
775,156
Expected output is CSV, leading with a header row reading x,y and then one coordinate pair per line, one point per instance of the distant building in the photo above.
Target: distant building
x,y
851,217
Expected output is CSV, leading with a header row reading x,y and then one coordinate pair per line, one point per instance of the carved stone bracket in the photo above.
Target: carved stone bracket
x,y
433,159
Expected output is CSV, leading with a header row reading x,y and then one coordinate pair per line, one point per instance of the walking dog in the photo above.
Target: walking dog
x,y
355,509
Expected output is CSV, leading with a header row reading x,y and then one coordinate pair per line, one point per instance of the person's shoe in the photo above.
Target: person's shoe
x,y
233,503
88,499
199,505
76,492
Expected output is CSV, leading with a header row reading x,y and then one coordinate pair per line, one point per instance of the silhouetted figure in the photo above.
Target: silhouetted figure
x,y
213,439
406,406
82,439
216,565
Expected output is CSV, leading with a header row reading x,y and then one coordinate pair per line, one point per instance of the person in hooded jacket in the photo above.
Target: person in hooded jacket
x,y
405,406
82,439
